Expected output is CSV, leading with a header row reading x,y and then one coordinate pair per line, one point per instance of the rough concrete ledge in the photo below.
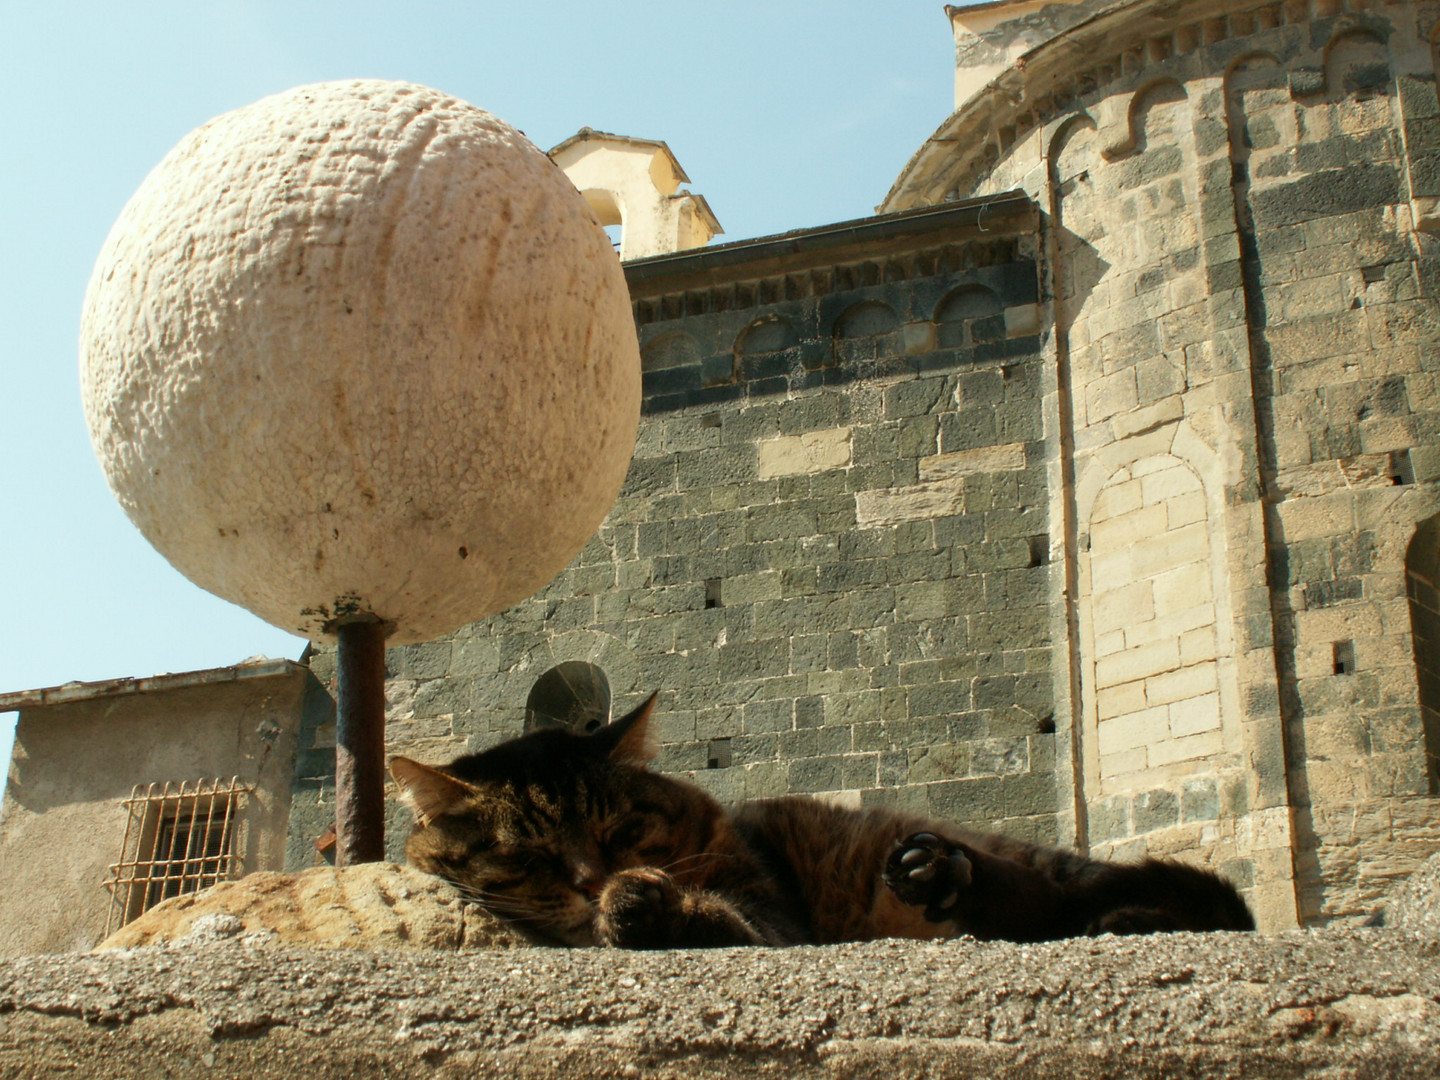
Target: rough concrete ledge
x,y
1334,1003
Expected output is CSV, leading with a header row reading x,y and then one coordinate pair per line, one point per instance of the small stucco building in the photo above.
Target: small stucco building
x,y
125,792
1089,490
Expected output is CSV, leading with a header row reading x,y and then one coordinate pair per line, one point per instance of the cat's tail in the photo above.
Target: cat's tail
x,y
1156,895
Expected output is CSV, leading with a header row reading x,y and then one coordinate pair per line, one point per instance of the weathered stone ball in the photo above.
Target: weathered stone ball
x,y
360,347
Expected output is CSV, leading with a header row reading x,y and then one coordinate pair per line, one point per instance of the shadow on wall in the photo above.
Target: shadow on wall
x,y
1422,587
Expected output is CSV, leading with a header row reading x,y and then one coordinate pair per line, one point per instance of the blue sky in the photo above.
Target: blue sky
x,y
786,114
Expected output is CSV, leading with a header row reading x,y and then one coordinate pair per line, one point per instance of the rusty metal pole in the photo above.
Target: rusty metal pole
x,y
360,744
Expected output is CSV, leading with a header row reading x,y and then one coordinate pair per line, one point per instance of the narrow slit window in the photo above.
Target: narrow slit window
x,y
179,838
1344,658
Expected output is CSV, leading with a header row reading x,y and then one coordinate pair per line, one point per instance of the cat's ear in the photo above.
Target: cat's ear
x,y
426,790
628,740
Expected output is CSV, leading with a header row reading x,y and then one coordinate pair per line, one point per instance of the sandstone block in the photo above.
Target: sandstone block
x,y
982,459
1198,644
1167,483
1186,682
1173,625
1138,663
1115,609
1196,714
1165,411
1128,528
917,502
1120,700
1189,748
1117,497
1183,588
805,454
1133,731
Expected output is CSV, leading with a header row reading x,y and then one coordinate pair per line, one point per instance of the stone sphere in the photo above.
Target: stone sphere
x,y
360,347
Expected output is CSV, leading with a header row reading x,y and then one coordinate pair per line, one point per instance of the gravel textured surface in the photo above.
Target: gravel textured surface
x,y
1333,1003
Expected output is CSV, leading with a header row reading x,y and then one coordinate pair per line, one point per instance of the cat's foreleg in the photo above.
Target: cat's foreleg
x,y
644,909
982,893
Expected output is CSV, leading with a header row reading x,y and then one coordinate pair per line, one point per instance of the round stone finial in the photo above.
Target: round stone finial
x,y
361,349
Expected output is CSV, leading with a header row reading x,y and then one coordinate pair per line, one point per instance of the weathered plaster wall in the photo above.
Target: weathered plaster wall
x,y
1244,299
74,765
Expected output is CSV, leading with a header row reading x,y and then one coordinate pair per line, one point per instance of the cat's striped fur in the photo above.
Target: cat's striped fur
x,y
572,840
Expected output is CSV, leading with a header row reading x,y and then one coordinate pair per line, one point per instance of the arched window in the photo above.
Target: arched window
x,y
573,695
608,212
971,307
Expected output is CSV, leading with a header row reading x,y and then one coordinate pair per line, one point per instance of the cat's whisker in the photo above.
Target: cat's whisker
x,y
683,859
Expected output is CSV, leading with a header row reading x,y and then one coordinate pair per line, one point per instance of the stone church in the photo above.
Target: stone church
x,y
1090,490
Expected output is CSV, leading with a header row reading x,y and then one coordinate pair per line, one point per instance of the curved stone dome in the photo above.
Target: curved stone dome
x,y
361,347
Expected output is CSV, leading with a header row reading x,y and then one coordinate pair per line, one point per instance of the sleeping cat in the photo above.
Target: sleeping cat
x,y
573,841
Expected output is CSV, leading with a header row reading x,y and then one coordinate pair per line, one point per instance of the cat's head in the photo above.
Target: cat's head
x,y
534,828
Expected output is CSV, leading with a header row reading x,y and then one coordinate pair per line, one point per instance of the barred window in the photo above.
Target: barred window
x,y
179,838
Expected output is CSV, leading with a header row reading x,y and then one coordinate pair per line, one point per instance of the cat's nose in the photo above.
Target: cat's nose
x,y
589,882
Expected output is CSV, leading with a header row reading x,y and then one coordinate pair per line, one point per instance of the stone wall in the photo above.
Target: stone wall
x,y
832,554
1240,197
1116,524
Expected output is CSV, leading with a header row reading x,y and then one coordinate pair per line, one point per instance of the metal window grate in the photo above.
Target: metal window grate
x,y
178,839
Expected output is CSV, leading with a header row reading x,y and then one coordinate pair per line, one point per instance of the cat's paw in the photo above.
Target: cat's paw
x,y
928,871
638,909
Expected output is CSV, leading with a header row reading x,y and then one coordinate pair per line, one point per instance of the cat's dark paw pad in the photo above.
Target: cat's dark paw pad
x,y
638,909
929,872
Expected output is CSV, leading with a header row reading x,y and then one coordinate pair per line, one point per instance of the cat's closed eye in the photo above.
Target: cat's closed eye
x,y
627,834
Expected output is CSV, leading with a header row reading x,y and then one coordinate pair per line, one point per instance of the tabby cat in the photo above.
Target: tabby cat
x,y
573,841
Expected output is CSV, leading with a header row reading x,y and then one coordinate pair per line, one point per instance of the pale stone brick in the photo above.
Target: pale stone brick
x,y
1138,663
1113,642
1127,528
810,452
1327,477
1111,394
1120,700
1117,608
892,506
1022,320
1383,434
1112,566
1292,446
1168,483
1352,621
1153,463
1115,499
1186,682
1198,645
1170,549
1190,748
1182,588
1321,515
1133,730
1123,763
1315,660
1174,625
1184,509
984,459
1166,411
